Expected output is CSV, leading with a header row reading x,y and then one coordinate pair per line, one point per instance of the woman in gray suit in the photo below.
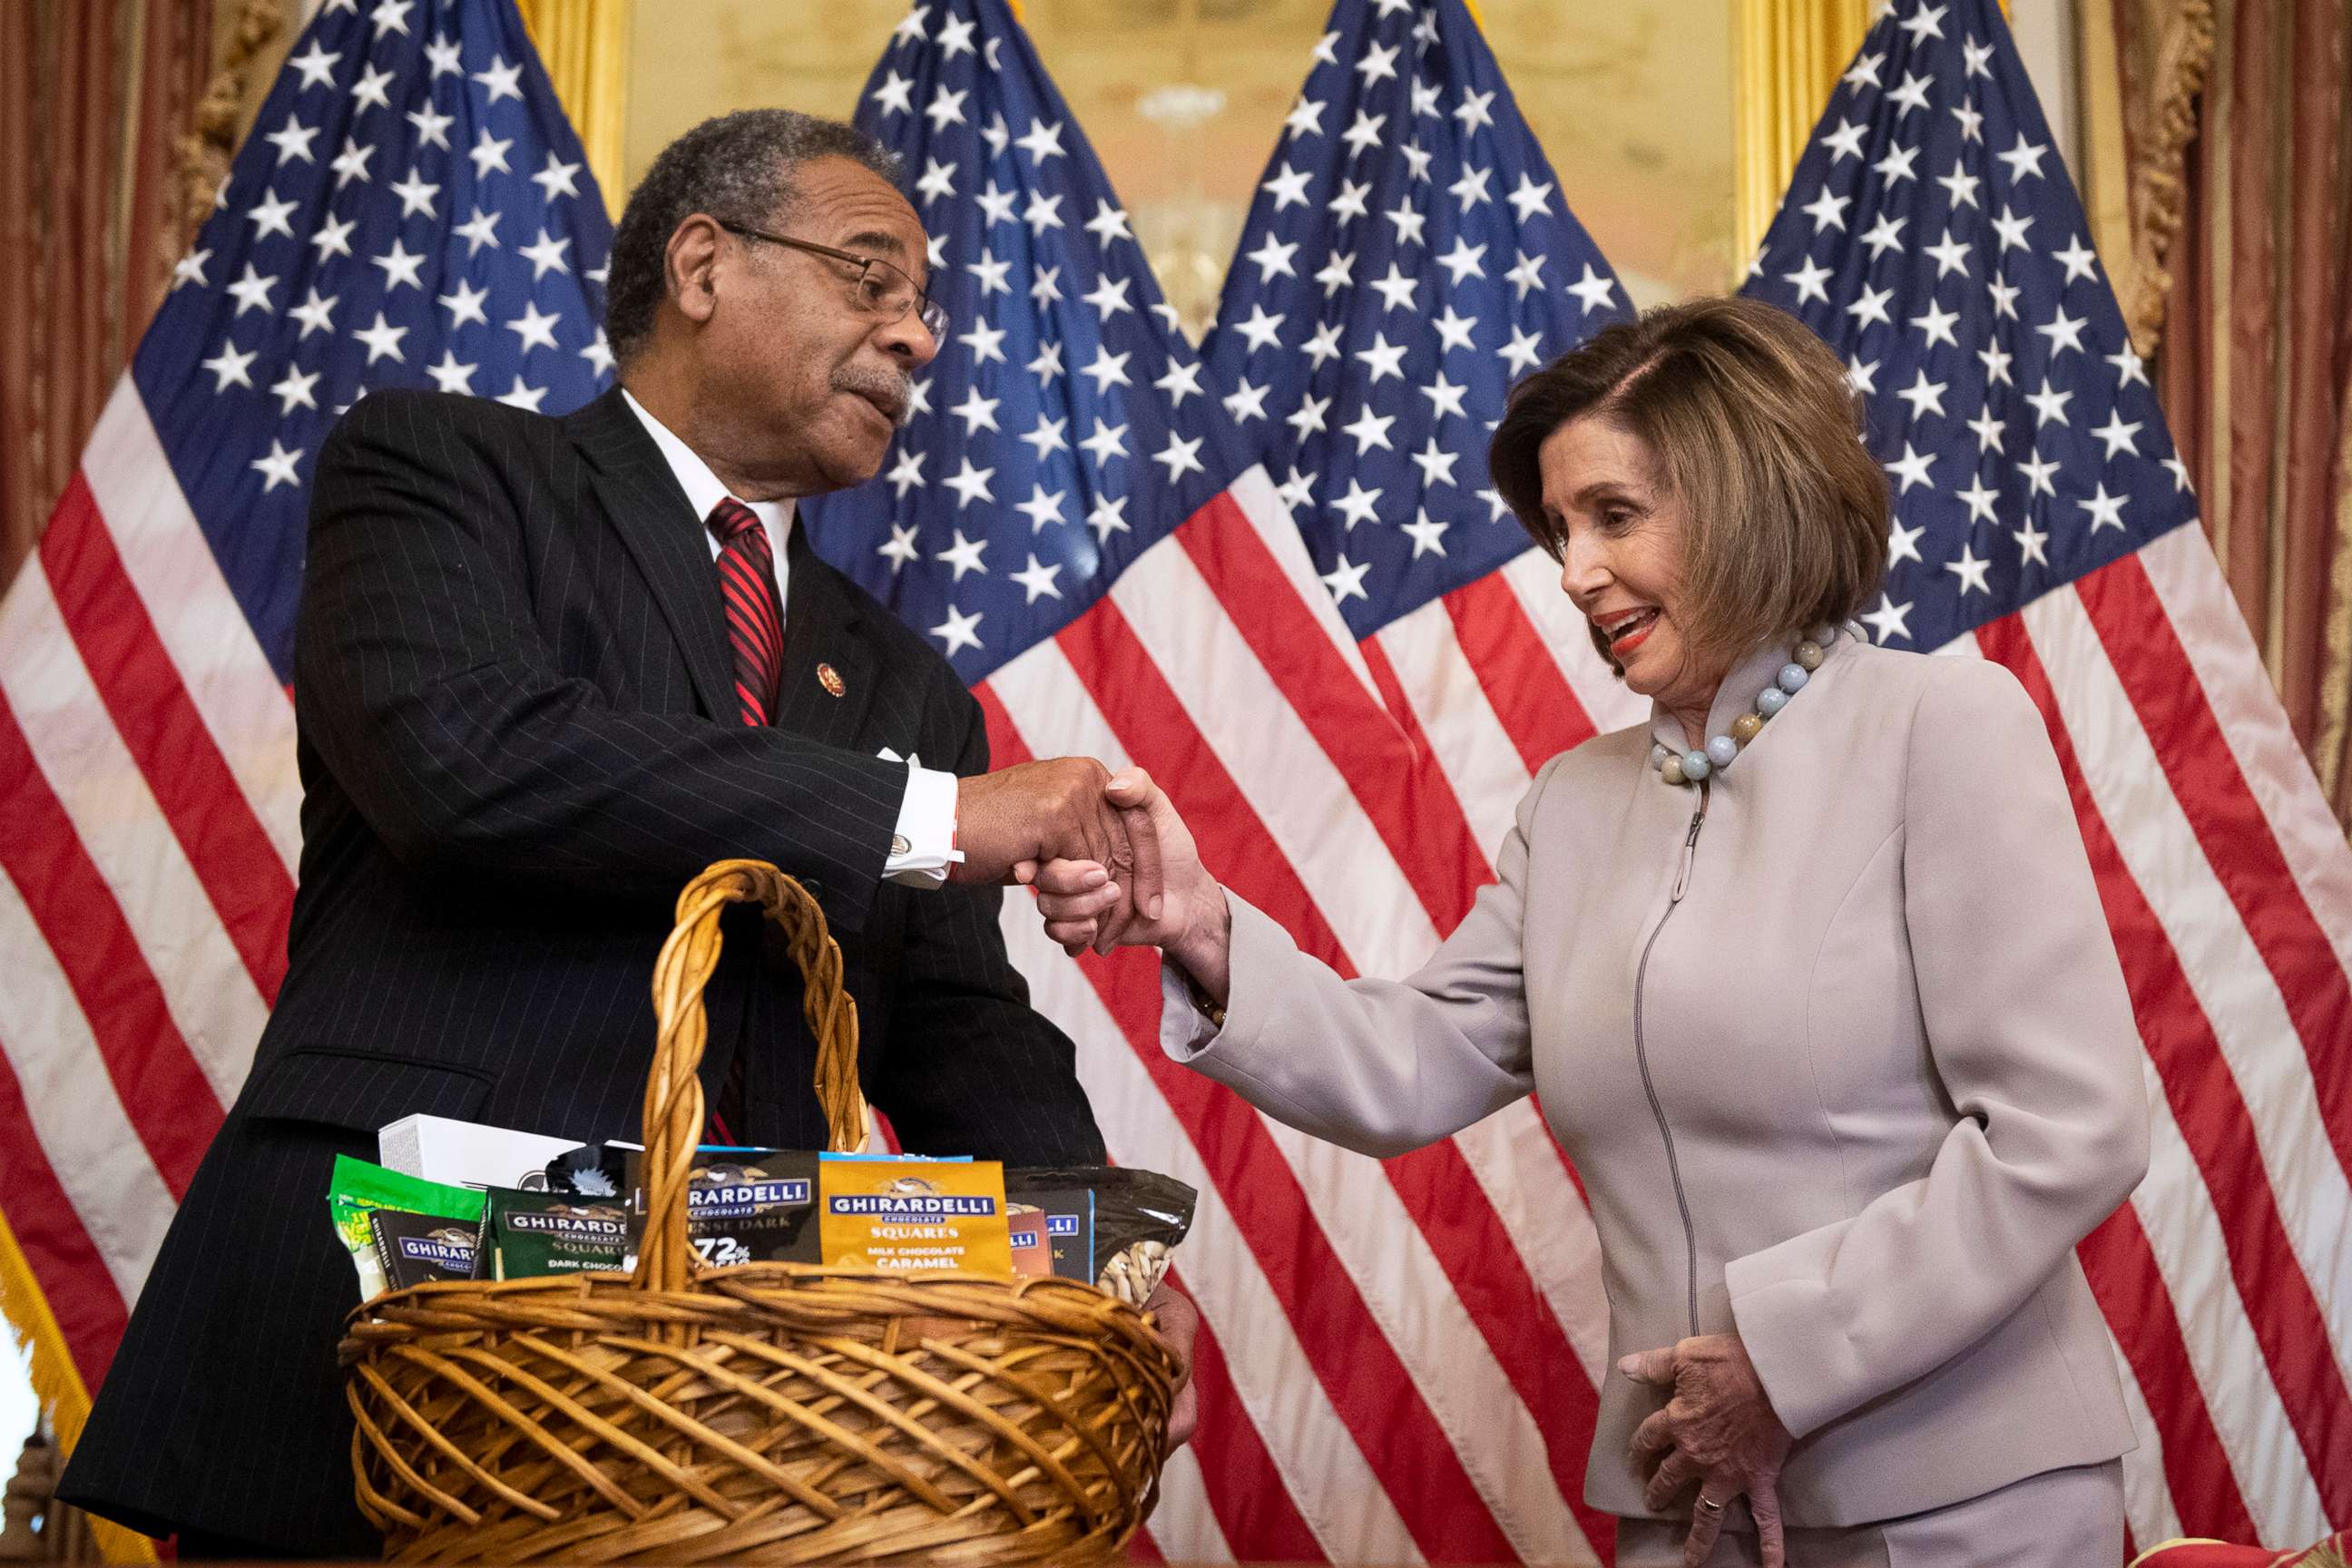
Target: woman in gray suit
x,y
1810,974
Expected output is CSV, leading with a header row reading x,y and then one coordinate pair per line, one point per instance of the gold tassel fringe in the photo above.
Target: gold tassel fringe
x,y
57,1382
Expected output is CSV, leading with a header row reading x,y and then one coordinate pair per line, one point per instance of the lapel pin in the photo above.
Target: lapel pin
x,y
830,678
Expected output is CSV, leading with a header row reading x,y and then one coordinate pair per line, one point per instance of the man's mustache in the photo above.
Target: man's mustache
x,y
894,390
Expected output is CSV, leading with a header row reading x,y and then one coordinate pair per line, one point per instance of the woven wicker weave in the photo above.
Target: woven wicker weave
x,y
767,1413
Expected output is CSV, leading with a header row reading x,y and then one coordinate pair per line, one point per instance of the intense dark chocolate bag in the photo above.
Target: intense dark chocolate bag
x,y
742,1206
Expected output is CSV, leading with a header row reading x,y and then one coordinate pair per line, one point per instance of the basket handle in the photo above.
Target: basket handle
x,y
673,1109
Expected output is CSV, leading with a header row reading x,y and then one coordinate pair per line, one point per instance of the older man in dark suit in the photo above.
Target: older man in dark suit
x,y
547,670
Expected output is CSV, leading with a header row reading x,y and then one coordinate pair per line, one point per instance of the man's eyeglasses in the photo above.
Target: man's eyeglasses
x,y
882,290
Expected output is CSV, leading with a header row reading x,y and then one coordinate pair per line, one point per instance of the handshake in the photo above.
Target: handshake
x,y
1113,864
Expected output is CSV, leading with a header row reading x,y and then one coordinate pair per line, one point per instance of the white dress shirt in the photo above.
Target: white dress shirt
x,y
924,844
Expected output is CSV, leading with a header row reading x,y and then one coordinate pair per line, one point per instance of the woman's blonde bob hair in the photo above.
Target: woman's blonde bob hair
x,y
1750,423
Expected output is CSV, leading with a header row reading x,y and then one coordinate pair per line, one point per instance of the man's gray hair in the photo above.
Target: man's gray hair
x,y
738,167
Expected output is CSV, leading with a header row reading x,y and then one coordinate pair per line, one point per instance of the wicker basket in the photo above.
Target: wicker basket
x,y
766,1413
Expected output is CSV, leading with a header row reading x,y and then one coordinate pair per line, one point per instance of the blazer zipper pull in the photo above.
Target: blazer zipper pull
x,y
1690,847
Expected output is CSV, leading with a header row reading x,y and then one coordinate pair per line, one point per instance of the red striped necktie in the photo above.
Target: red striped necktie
x,y
755,627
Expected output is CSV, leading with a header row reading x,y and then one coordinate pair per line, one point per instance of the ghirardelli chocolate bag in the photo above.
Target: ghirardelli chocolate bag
x,y
553,1233
414,1248
1138,1217
915,1216
742,1206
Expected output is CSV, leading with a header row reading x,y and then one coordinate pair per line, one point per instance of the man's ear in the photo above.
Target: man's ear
x,y
692,265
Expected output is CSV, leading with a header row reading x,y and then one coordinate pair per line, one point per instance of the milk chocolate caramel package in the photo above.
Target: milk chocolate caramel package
x,y
531,1234
915,1216
416,1248
742,1206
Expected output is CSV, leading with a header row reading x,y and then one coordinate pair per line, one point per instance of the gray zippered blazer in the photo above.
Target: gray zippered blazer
x,y
1849,1070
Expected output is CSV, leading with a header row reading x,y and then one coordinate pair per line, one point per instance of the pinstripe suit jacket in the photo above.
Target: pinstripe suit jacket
x,y
518,741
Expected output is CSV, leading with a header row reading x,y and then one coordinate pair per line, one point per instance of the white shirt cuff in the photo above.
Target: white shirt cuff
x,y
1184,1031
922,846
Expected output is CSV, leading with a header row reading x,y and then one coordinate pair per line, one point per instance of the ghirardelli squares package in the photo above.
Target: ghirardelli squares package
x,y
912,1216
553,1233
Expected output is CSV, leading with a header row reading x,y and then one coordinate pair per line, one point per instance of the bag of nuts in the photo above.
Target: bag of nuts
x,y
1140,1216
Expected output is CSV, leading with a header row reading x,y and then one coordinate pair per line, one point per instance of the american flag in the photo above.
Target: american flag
x,y
2041,520
1409,256
412,210
1407,217
1076,520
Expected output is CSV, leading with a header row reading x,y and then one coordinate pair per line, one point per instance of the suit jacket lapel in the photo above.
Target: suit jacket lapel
x,y
821,629
652,515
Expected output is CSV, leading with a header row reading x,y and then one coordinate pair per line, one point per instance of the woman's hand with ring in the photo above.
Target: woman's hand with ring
x,y
1720,1430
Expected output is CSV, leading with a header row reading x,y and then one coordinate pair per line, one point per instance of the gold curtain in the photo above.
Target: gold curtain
x,y
1786,56
94,95
584,44
2254,353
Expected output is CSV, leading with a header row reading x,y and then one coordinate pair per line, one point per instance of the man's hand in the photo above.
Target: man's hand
x,y
1179,1325
1010,822
1194,924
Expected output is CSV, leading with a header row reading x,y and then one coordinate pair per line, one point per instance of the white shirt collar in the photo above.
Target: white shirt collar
x,y
704,491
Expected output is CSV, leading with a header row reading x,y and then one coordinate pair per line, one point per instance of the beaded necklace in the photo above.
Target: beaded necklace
x,y
1722,751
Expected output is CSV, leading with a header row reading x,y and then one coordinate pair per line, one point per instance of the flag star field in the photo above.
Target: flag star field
x,y
412,210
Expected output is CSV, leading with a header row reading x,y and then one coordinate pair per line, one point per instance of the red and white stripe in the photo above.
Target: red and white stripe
x,y
1495,679
2228,887
146,857
1447,1322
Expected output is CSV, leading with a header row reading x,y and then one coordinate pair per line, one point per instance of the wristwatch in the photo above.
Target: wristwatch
x,y
1204,1003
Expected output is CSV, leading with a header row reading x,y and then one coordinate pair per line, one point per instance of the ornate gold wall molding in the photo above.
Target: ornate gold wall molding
x,y
2143,70
201,156
585,45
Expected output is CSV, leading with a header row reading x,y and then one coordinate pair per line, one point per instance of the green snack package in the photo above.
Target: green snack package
x,y
358,1189
553,1232
416,1248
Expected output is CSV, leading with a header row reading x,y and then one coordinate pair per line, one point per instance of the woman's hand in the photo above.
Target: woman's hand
x,y
1720,1430
1194,923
